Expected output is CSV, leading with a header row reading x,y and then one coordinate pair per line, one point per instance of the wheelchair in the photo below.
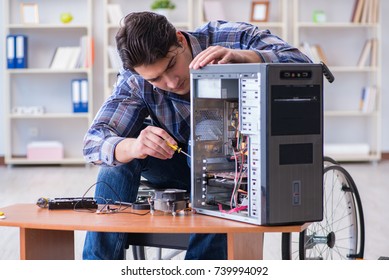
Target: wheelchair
x,y
341,233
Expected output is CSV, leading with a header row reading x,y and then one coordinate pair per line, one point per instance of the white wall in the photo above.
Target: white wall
x,y
98,70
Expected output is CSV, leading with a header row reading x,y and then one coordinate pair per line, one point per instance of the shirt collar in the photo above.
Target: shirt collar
x,y
194,43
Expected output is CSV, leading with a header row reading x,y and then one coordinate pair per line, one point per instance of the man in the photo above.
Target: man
x,y
155,82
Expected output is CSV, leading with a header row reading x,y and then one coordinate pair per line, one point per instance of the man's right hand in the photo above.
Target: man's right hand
x,y
150,142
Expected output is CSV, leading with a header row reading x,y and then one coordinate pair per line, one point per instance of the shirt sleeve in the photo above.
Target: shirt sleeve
x,y
122,115
271,48
240,35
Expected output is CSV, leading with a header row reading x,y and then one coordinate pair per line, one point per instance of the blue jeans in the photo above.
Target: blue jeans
x,y
122,182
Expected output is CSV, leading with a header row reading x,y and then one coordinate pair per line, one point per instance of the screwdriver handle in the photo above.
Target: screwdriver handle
x,y
177,149
174,147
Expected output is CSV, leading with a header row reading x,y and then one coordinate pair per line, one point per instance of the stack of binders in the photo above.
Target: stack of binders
x,y
17,51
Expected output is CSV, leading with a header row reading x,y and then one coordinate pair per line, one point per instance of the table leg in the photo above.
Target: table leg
x,y
42,244
245,246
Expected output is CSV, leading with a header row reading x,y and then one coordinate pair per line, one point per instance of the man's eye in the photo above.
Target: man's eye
x,y
155,80
171,65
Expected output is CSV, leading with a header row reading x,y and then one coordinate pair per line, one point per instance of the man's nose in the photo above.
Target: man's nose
x,y
171,81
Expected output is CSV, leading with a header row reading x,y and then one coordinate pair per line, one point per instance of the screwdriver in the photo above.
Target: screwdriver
x,y
177,149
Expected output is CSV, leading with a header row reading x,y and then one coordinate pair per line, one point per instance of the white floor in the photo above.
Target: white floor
x,y
27,184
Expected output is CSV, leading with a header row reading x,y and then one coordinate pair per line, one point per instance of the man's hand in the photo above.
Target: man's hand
x,y
222,55
150,142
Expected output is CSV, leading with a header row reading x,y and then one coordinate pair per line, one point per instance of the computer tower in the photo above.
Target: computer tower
x,y
257,142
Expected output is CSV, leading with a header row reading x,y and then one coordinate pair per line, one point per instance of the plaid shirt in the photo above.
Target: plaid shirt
x,y
134,99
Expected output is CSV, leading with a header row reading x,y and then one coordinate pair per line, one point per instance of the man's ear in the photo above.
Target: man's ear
x,y
180,38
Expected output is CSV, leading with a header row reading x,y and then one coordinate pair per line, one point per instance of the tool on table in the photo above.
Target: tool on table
x,y
67,203
177,149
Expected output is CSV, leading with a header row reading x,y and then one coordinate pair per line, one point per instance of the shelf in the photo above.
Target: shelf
x,y
48,71
269,24
355,158
175,23
42,87
336,25
348,114
343,122
352,69
25,161
350,152
52,116
47,26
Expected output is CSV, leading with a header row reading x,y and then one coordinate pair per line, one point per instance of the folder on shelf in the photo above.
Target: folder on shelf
x,y
362,99
86,57
365,11
65,58
375,11
365,54
80,95
90,53
11,59
374,52
76,96
314,52
74,57
358,10
21,51
84,95
368,99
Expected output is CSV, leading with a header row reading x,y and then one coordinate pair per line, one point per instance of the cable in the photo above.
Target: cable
x,y
122,206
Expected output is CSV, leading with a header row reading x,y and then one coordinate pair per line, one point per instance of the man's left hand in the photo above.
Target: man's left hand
x,y
222,55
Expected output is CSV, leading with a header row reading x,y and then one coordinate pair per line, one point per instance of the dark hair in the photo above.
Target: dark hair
x,y
143,38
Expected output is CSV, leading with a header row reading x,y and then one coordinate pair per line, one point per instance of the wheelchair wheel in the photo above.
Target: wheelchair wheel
x,y
329,161
341,232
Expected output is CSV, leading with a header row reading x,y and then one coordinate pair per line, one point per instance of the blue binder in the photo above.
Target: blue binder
x,y
21,51
80,95
76,96
84,95
11,56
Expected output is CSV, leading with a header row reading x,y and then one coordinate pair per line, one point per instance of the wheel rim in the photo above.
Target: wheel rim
x,y
336,236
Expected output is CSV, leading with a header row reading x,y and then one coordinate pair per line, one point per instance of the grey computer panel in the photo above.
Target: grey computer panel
x,y
247,104
292,172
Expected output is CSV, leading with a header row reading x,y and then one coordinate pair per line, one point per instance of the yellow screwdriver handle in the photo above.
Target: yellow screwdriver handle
x,y
177,149
174,147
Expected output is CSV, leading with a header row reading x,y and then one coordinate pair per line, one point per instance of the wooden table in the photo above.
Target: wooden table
x,y
49,234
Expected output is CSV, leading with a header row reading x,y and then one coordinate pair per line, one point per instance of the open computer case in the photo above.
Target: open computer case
x,y
257,142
